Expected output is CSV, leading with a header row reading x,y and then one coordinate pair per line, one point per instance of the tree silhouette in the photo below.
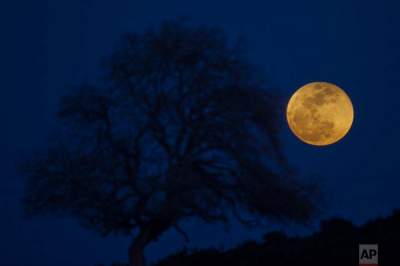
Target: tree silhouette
x,y
181,126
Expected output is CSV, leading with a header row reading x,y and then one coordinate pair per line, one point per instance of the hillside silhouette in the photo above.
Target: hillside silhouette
x,y
336,243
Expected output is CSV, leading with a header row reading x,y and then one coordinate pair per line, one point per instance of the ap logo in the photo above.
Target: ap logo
x,y
368,255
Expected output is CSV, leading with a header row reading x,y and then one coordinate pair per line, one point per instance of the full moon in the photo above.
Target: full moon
x,y
320,113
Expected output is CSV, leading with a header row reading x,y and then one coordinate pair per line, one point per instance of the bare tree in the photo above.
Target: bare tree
x,y
182,126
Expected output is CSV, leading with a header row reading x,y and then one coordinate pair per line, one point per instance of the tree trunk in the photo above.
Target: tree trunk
x,y
136,249
147,234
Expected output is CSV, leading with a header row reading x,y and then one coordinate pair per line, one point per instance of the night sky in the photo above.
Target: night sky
x,y
48,48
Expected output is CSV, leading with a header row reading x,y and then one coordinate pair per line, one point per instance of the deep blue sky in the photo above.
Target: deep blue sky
x,y
47,48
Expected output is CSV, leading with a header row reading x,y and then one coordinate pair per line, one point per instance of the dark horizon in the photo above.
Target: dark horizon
x,y
55,46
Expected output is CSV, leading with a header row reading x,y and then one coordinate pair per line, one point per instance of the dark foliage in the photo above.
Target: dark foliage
x,y
336,243
181,126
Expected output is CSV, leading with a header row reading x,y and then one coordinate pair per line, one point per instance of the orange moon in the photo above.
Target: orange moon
x,y
320,113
